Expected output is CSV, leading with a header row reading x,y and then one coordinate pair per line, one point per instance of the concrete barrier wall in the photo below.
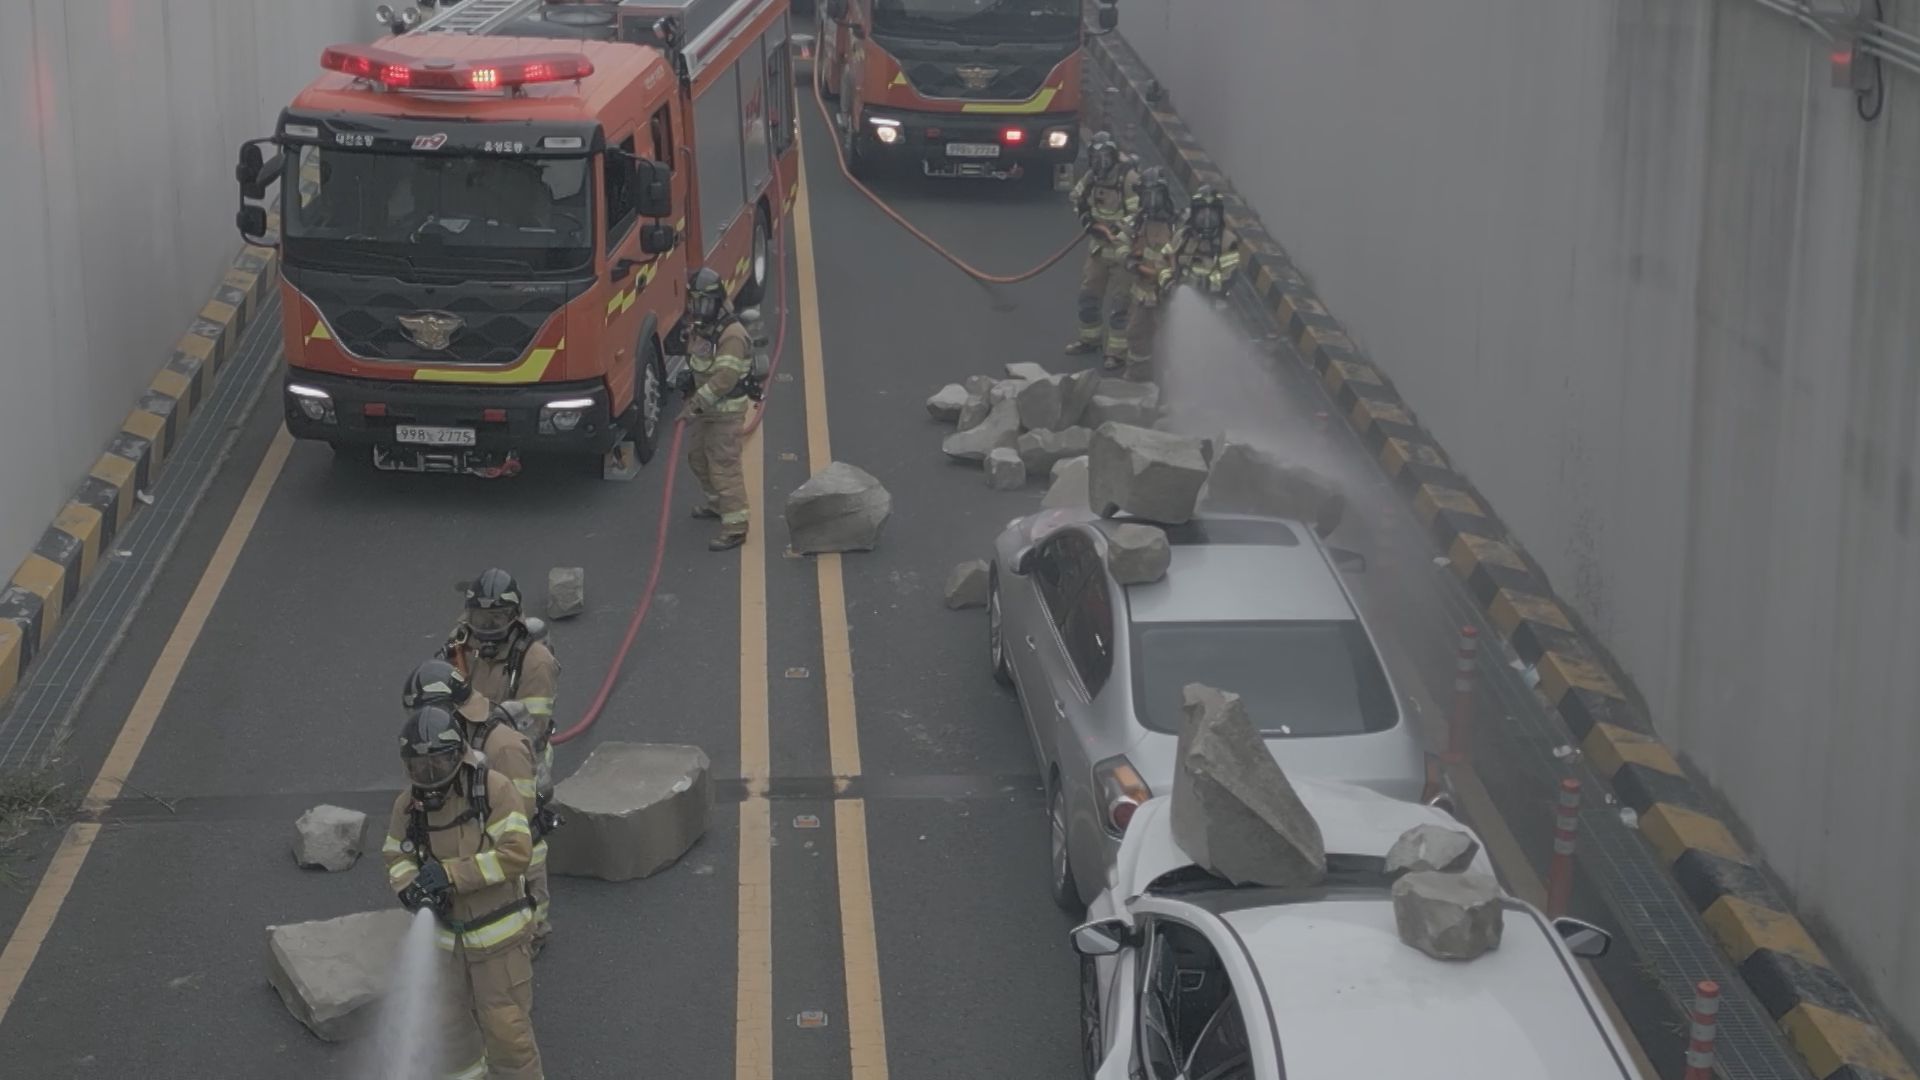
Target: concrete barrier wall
x,y
1651,282
120,120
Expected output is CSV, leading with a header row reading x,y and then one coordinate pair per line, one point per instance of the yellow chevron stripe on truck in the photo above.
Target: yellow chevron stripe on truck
x,y
529,370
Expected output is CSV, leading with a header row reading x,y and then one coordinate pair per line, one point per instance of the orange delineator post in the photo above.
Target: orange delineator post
x,y
1566,822
1706,1012
1465,668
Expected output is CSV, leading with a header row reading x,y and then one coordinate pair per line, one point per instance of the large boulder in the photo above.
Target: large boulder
x,y
840,508
1076,393
631,811
566,592
1122,402
947,402
967,585
1137,554
1150,474
1027,372
332,972
1448,916
979,402
1039,403
328,838
1432,847
1000,428
1248,480
1041,449
1234,812
1069,487
1005,471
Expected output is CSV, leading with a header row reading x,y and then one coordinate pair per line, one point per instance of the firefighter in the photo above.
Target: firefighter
x,y
1200,255
457,845
720,385
1150,268
1106,200
506,659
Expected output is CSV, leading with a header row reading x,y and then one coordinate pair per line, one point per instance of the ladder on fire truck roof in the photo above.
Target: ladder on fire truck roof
x,y
477,16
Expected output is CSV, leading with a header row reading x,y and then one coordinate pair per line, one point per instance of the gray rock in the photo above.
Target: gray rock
x,y
1006,390
1042,449
1247,480
947,402
1432,847
631,811
1039,402
1069,487
566,592
967,585
840,508
1005,470
1027,372
1076,393
1137,554
975,410
328,838
1000,428
979,384
1448,916
1146,473
330,974
1123,402
1234,812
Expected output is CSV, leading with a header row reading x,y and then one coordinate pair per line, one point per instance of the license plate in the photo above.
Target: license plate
x,y
973,149
433,436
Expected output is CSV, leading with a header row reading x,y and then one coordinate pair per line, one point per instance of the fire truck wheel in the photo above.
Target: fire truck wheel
x,y
850,134
650,402
754,289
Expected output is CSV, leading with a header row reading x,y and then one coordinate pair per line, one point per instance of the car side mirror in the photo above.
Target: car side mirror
x,y
1107,18
1103,938
658,239
1022,561
653,187
1347,559
1584,940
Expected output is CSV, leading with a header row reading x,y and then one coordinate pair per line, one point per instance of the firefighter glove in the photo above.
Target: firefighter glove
x,y
431,888
683,380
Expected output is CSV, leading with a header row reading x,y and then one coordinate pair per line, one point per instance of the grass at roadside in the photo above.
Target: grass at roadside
x,y
31,799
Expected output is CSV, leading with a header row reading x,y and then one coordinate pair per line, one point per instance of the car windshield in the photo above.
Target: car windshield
x,y
478,216
1006,19
1298,679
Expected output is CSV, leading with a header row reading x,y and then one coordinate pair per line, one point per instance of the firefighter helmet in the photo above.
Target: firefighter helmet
x,y
493,606
436,682
1156,194
1103,154
1206,213
706,296
432,747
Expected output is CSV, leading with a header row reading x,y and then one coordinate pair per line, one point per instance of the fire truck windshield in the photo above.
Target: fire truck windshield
x,y
1007,20
479,216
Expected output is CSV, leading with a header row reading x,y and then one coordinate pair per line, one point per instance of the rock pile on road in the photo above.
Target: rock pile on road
x,y
1044,418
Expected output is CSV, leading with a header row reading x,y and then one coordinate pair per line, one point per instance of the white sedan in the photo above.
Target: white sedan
x,y
1187,977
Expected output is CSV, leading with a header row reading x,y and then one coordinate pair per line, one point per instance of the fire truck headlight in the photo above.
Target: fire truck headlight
x,y
559,417
887,135
1058,138
315,404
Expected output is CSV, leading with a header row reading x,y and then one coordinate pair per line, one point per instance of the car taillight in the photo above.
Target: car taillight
x,y
1121,793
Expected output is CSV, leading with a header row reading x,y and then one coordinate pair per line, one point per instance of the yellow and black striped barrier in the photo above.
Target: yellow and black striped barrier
x,y
47,583
1826,1022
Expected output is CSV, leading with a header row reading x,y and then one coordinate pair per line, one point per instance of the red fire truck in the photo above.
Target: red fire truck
x,y
487,222
964,87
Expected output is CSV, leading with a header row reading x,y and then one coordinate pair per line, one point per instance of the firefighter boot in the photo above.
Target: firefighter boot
x,y
704,511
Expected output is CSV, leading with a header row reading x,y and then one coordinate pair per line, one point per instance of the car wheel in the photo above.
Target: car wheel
x,y
1066,891
996,639
1090,1040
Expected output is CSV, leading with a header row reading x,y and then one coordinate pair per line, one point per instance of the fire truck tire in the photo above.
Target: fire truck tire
x,y
822,78
850,140
650,404
760,262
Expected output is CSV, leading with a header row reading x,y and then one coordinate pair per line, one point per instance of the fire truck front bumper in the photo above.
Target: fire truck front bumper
x,y
955,144
441,427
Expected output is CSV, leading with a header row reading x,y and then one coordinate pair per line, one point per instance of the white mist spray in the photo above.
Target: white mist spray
x,y
406,1045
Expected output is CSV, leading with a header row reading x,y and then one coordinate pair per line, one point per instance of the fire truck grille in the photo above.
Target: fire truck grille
x,y
1007,81
494,329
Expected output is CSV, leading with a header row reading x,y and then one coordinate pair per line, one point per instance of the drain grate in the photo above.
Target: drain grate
x,y
45,706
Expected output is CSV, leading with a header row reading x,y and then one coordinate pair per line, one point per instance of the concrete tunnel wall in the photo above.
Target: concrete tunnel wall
x,y
120,121
1651,281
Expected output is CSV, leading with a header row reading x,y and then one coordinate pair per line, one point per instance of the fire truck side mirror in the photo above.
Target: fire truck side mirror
x,y
252,221
1108,17
255,171
658,239
654,188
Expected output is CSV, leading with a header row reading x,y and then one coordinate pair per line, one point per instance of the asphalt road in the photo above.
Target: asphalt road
x,y
154,965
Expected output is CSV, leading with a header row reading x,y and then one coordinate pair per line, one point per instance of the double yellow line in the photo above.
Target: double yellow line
x,y
866,1027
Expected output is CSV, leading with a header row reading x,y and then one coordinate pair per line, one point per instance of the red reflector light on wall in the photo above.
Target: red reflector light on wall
x,y
1013,135
399,72
494,416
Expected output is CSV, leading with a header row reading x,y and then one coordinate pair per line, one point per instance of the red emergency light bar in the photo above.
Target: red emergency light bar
x,y
398,72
